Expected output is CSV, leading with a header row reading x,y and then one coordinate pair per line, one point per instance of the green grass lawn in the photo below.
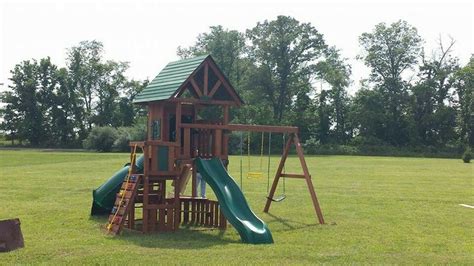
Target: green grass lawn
x,y
377,209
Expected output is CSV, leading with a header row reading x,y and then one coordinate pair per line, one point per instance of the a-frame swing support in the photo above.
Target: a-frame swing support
x,y
293,139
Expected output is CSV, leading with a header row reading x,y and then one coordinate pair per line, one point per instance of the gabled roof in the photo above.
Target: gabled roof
x,y
178,76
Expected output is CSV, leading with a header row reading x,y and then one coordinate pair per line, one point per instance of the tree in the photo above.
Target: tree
x,y
433,114
226,47
336,72
25,102
10,113
285,52
99,85
389,51
367,116
464,86
83,63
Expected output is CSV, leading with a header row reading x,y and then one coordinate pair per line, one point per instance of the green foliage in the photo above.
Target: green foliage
x,y
56,107
127,134
284,51
389,51
464,84
467,156
101,139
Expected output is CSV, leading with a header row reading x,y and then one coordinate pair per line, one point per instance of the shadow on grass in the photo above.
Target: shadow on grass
x,y
184,238
289,224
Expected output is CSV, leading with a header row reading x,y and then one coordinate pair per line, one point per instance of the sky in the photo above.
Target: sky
x,y
147,33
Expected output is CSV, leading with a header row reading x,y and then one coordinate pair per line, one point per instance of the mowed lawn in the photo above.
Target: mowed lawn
x,y
377,210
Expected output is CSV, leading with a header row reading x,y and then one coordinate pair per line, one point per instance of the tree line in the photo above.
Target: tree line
x,y
50,106
286,73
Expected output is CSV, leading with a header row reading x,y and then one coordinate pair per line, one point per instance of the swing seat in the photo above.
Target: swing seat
x,y
254,175
277,199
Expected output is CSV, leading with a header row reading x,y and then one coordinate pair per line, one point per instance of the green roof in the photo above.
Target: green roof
x,y
169,80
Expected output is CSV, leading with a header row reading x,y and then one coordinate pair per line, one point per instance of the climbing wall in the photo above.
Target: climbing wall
x,y
124,201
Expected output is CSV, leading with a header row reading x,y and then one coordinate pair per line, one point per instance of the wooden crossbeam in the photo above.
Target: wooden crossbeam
x,y
215,88
239,127
195,87
291,175
226,85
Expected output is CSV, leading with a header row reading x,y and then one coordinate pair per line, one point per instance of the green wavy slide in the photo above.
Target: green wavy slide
x,y
233,204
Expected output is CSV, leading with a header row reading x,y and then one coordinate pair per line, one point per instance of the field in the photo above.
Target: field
x,y
377,209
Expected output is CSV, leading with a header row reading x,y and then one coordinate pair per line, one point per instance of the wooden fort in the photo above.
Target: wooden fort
x,y
156,199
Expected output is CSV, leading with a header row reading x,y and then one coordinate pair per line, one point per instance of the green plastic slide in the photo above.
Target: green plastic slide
x,y
233,204
103,198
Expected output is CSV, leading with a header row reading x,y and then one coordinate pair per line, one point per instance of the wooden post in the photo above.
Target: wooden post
x,y
206,78
299,151
146,170
277,175
178,122
225,138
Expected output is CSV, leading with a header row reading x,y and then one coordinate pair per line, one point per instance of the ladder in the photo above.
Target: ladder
x,y
124,200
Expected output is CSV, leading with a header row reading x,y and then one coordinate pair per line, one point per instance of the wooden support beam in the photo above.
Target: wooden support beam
x,y
291,175
299,151
204,102
178,123
195,87
215,88
161,143
238,127
206,78
277,175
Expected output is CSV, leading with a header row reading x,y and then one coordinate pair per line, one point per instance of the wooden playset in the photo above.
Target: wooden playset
x,y
177,136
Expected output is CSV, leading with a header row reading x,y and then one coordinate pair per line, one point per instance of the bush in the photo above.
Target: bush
x,y
127,134
101,139
467,156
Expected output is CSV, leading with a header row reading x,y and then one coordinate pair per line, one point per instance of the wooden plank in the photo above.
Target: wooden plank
x,y
292,175
211,212
146,190
140,144
218,142
161,219
193,212
215,88
186,212
222,221
178,124
203,102
153,218
195,87
187,142
206,211
299,151
161,143
216,214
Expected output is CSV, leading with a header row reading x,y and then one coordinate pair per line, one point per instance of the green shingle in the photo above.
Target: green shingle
x,y
169,80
